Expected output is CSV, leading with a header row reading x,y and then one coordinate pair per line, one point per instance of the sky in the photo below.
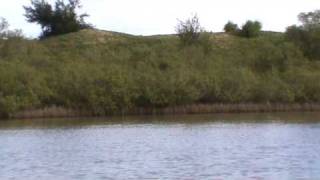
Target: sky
x,y
149,17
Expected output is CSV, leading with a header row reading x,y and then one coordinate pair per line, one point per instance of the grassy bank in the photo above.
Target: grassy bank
x,y
106,73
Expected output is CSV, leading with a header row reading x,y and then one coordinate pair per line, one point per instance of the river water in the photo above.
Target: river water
x,y
225,146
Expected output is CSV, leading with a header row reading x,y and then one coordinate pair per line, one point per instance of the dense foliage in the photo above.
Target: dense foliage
x,y
307,36
61,19
108,72
251,29
231,28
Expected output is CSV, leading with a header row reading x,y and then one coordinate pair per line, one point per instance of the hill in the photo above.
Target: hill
x,y
105,72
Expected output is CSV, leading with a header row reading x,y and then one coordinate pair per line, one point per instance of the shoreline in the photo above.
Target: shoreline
x,y
60,112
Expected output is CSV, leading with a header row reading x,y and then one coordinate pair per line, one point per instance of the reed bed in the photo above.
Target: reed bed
x,y
60,112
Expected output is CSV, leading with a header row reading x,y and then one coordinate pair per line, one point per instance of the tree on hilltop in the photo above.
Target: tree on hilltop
x,y
251,29
231,28
307,35
60,19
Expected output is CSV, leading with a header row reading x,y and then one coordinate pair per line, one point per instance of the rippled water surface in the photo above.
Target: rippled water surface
x,y
246,146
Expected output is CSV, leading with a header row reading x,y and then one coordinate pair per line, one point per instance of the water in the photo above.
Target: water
x,y
247,146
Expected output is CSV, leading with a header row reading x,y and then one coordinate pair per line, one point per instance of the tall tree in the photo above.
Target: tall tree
x,y
60,19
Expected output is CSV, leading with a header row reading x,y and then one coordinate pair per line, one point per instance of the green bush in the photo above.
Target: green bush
x,y
231,28
251,29
302,82
271,88
21,87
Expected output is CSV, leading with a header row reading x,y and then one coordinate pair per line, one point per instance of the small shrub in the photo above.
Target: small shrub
x,y
189,30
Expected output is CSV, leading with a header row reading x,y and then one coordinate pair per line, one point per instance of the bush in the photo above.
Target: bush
x,y
21,87
189,30
271,88
231,28
303,84
251,29
236,85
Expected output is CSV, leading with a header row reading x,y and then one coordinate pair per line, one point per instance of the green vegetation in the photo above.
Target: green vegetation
x,y
307,36
231,28
61,19
251,29
106,72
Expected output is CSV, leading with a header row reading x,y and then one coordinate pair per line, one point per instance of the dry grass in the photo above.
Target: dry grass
x,y
229,108
59,112
50,112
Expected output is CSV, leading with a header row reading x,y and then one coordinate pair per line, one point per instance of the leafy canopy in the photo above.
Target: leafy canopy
x,y
231,27
307,35
251,29
60,19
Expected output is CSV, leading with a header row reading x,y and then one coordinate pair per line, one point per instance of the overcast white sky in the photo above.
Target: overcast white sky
x,y
146,17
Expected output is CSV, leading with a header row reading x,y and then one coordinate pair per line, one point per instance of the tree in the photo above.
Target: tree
x,y
231,27
307,35
310,19
189,30
3,27
3,24
61,19
251,29
5,33
298,36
